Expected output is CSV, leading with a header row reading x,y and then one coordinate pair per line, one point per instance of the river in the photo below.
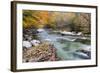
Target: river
x,y
67,47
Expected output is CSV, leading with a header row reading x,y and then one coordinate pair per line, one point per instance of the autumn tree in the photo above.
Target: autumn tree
x,y
35,19
71,21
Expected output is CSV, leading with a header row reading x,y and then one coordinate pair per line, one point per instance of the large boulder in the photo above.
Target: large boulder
x,y
27,44
35,42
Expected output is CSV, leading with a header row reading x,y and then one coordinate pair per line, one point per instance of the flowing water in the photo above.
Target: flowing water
x,y
66,46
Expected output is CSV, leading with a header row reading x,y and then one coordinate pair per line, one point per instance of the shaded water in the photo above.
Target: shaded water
x,y
66,46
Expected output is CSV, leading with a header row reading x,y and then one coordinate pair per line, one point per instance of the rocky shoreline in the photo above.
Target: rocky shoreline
x,y
43,52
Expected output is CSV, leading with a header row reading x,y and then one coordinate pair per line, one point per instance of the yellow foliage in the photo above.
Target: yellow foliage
x,y
34,18
53,19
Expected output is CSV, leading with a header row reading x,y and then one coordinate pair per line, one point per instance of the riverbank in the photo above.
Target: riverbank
x,y
43,52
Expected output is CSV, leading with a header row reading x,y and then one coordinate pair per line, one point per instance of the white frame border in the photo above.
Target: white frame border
x,y
36,65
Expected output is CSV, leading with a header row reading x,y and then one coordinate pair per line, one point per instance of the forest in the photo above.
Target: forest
x,y
70,21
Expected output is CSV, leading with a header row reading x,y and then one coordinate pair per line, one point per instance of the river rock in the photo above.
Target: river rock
x,y
66,33
81,55
40,30
79,33
35,42
27,44
48,40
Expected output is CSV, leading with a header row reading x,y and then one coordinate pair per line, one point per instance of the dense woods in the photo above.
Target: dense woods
x,y
69,21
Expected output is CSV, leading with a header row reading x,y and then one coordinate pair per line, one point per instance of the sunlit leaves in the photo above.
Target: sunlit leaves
x,y
34,18
79,22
